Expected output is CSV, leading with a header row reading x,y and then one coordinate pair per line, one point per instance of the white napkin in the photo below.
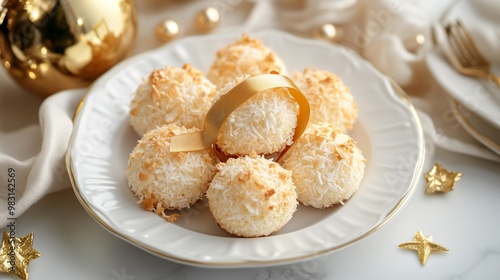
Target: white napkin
x,y
383,31
36,153
484,28
482,21
443,130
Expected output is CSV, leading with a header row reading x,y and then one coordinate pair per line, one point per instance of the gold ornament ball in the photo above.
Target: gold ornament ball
x,y
328,32
167,30
51,45
208,18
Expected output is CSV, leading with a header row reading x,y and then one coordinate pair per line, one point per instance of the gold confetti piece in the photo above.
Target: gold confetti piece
x,y
16,253
423,245
441,180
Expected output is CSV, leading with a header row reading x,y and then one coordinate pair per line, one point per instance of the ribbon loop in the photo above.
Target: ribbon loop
x,y
230,101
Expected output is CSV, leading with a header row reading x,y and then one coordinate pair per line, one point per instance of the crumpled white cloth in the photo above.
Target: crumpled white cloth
x,y
35,154
383,31
484,28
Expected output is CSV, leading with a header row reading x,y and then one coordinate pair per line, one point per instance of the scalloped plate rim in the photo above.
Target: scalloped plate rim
x,y
394,93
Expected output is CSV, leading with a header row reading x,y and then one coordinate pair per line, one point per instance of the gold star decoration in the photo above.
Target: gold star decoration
x,y
441,180
16,253
423,245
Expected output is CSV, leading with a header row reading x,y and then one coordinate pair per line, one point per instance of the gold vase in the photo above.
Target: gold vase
x,y
51,45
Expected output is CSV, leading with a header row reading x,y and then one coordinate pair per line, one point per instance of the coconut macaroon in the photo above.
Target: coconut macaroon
x,y
172,95
326,166
165,180
245,56
252,196
329,98
264,124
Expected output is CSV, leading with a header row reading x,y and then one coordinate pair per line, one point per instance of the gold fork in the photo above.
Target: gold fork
x,y
469,61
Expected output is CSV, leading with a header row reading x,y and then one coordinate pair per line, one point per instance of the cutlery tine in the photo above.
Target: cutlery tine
x,y
469,43
472,58
441,38
463,46
459,49
456,46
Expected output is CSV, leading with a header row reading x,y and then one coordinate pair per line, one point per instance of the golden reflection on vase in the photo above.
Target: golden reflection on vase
x,y
52,45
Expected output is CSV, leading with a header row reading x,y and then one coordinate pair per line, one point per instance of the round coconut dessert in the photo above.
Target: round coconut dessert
x,y
165,180
327,166
329,98
264,124
245,56
252,196
172,95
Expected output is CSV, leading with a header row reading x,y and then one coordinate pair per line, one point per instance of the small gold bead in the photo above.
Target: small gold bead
x,y
415,44
208,18
167,30
327,32
420,39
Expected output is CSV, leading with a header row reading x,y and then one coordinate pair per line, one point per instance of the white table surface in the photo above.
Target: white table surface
x,y
465,221
74,246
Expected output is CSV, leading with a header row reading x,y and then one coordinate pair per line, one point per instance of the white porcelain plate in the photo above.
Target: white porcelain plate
x,y
483,131
387,131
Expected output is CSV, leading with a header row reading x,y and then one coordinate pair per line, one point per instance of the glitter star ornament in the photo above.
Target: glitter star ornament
x,y
16,254
441,180
423,245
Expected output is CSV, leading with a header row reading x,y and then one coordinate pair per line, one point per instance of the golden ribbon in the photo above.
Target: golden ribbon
x,y
230,101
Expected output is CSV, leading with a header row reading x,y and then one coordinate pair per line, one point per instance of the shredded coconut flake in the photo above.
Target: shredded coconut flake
x,y
173,180
264,124
329,98
252,196
326,166
245,56
172,95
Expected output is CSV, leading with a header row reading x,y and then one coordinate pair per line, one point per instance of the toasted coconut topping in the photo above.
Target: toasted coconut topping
x,y
171,218
264,124
172,95
329,98
245,56
173,181
327,166
252,196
